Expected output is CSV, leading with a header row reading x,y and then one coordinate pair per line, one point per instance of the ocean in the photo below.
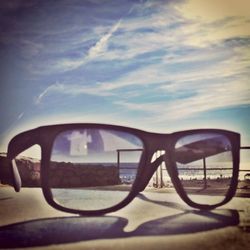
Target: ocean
x,y
128,172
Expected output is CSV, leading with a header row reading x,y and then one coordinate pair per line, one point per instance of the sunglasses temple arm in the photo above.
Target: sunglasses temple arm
x,y
16,176
17,145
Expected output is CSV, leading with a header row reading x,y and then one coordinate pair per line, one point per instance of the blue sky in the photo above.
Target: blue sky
x,y
156,65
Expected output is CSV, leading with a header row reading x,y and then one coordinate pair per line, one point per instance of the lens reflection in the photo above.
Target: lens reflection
x,y
92,169
205,167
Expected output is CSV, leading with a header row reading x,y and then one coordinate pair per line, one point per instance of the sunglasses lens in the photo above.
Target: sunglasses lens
x,y
93,169
205,166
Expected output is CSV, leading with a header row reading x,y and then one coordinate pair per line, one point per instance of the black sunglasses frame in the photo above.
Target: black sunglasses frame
x,y
45,136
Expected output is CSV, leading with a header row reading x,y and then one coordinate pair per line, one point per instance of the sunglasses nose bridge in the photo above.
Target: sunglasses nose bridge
x,y
158,151
159,142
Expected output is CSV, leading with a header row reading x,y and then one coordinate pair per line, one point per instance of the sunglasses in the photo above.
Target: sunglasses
x,y
93,169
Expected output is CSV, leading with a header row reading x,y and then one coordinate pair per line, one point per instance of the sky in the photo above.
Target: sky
x,y
161,66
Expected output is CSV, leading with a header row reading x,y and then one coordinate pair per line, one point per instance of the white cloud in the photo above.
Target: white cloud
x,y
223,82
50,88
215,20
93,52
71,89
173,26
20,116
176,26
196,33
207,98
101,46
209,11
217,64
193,59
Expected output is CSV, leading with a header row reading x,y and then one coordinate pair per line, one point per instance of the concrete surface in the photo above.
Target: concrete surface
x,y
152,221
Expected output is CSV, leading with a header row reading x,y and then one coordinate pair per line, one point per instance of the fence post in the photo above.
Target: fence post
x,y
205,172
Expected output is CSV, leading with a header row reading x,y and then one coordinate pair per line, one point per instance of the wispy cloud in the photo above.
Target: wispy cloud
x,y
101,46
146,28
93,52
216,79
206,64
50,88
210,98
20,116
72,90
169,59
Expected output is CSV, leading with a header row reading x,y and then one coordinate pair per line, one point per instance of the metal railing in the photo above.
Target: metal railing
x,y
159,172
124,150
